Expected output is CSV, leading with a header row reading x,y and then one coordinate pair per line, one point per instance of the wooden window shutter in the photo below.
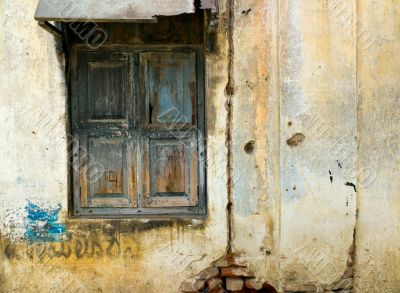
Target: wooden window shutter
x,y
138,131
106,154
170,165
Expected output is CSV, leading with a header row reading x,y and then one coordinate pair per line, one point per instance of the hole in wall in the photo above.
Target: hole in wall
x,y
250,146
268,289
296,139
229,274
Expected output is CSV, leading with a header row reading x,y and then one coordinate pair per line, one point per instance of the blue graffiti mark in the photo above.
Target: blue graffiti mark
x,y
41,224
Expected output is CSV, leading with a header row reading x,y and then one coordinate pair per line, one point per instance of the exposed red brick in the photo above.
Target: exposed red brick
x,y
231,276
236,272
207,274
215,284
253,284
234,284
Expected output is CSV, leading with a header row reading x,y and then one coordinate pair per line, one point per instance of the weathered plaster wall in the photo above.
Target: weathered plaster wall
x,y
318,98
32,115
96,255
336,79
297,51
300,96
378,230
255,133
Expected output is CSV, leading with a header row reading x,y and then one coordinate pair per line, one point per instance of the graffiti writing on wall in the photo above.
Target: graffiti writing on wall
x,y
78,248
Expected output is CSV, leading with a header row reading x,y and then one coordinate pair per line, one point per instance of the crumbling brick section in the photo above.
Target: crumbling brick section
x,y
228,274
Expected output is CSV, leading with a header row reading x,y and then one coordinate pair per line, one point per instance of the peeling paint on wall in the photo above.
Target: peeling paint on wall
x,y
42,224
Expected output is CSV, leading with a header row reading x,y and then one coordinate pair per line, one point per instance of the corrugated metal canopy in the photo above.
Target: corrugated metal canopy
x,y
114,11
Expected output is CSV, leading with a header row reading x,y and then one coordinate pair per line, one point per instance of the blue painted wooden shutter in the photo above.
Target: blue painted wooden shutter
x,y
137,133
104,128
170,150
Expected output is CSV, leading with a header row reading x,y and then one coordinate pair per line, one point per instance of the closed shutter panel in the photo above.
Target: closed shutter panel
x,y
104,127
170,151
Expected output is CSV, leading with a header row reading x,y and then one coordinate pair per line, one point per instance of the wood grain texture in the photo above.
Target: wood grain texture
x,y
149,160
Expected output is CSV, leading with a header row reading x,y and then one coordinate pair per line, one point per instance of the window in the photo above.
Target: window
x,y
137,116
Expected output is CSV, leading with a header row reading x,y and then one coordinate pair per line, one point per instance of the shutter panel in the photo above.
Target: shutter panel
x,y
170,170
170,151
105,89
107,143
169,89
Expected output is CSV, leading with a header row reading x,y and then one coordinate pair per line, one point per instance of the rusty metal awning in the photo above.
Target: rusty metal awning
x,y
115,11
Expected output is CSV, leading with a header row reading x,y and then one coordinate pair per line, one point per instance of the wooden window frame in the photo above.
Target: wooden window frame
x,y
141,210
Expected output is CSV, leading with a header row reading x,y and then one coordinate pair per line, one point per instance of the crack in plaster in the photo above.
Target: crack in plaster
x,y
229,92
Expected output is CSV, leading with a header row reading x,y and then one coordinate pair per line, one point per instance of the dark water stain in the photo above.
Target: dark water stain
x,y
352,185
116,227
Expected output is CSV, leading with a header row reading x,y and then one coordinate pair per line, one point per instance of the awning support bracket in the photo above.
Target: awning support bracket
x,y
51,28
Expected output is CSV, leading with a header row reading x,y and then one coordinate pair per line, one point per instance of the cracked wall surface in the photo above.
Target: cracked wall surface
x,y
302,144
